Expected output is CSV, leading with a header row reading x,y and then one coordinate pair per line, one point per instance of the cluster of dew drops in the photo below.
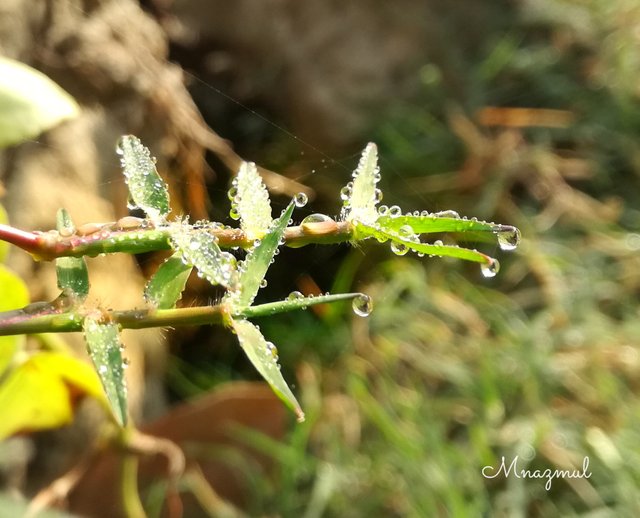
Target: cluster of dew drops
x,y
508,237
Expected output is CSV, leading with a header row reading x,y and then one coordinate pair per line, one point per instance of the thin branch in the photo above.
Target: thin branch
x,y
26,322
50,245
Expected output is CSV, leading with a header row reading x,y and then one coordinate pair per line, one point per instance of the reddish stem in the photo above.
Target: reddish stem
x,y
28,241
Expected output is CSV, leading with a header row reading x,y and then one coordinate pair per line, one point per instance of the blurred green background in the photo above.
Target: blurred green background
x,y
530,119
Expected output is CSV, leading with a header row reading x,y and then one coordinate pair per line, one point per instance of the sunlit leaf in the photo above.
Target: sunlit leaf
x,y
257,263
264,357
146,188
250,201
199,248
39,392
30,103
507,235
361,195
73,277
401,245
13,295
105,350
166,286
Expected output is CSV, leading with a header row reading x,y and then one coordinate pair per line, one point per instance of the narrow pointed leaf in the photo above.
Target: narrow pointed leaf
x,y
293,303
166,286
30,103
433,223
105,350
257,263
199,248
73,277
361,194
250,201
146,188
426,248
263,356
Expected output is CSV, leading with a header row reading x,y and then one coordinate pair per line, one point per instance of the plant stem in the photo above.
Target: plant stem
x,y
28,241
49,246
132,506
25,322
273,308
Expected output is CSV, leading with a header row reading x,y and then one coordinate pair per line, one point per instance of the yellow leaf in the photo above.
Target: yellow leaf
x,y
38,393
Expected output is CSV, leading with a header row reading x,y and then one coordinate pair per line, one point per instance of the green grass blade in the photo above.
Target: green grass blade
x,y
426,248
295,301
264,357
250,201
165,288
361,196
199,248
147,189
431,223
73,277
257,263
105,350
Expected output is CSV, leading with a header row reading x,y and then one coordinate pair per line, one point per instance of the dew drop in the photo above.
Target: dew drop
x,y
438,242
316,218
377,196
345,193
508,239
234,214
383,210
194,244
399,248
447,214
300,199
120,146
395,211
405,231
233,192
273,350
295,295
490,269
362,305
263,283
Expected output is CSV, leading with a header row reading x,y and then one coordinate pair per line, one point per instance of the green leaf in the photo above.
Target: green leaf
x,y
166,286
257,263
147,189
30,103
199,248
105,350
36,394
508,236
361,196
13,295
295,301
73,277
264,357
403,244
250,201
4,246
